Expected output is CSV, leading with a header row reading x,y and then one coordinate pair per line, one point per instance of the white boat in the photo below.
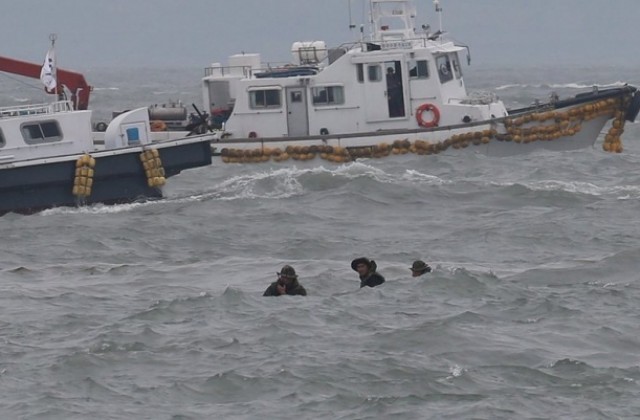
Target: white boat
x,y
48,157
400,89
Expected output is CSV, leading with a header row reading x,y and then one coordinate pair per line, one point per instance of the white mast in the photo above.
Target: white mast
x,y
352,25
54,66
392,20
439,12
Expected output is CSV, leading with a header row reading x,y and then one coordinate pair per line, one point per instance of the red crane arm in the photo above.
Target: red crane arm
x,y
79,88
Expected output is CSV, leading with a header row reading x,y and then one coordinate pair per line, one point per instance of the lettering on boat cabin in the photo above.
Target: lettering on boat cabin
x,y
395,45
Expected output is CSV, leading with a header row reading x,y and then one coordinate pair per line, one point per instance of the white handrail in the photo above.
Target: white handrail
x,y
32,109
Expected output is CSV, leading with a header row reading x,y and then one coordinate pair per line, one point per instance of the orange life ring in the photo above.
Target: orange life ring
x,y
434,110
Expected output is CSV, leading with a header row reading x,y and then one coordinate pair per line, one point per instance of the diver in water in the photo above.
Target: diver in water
x,y
419,268
287,284
367,271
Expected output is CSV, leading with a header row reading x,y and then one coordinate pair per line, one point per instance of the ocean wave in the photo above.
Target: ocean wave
x,y
291,181
173,310
585,85
510,86
568,365
415,176
164,92
621,192
570,85
109,346
279,183
96,209
20,270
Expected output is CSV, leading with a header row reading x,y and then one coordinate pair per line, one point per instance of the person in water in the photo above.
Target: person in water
x,y
287,284
367,271
419,268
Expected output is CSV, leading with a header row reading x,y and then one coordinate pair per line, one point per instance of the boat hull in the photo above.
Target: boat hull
x,y
118,177
565,125
587,137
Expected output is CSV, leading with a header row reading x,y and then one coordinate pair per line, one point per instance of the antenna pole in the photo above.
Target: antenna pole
x,y
439,12
352,25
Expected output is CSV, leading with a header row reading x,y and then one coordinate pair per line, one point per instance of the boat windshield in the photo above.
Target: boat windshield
x,y
448,67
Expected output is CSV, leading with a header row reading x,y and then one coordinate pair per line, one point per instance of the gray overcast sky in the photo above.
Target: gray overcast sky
x,y
141,33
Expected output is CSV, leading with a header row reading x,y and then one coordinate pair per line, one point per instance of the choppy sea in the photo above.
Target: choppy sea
x,y
155,310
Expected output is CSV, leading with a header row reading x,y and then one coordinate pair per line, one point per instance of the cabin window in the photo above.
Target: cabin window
x,y
444,68
41,132
457,70
375,73
265,98
418,69
328,95
296,96
360,73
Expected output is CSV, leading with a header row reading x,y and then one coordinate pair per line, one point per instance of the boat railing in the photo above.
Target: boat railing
x,y
249,71
227,71
35,109
423,41
419,41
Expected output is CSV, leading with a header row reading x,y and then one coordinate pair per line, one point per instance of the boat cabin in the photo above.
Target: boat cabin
x,y
55,129
398,78
43,130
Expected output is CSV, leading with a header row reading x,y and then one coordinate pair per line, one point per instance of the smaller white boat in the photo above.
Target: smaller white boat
x,y
400,89
48,157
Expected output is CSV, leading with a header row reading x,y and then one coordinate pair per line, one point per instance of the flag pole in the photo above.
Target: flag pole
x,y
52,38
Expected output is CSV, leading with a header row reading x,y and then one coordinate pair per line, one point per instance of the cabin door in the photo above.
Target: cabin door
x,y
383,90
297,118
